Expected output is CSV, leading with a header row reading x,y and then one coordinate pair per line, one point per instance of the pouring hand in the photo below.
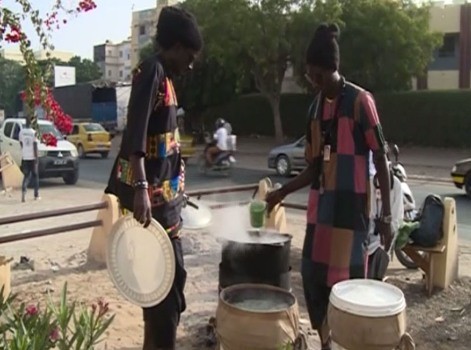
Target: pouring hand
x,y
273,199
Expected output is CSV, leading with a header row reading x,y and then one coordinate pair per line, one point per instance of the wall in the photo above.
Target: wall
x,y
443,80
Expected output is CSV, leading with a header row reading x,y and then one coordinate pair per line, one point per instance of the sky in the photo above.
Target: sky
x,y
111,20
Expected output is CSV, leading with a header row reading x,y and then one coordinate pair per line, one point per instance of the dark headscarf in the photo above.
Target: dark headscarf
x,y
177,25
323,51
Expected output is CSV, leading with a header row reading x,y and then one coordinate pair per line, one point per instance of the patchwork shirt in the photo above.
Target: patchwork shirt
x,y
152,131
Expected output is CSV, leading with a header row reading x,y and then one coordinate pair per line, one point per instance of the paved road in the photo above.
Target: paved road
x,y
94,172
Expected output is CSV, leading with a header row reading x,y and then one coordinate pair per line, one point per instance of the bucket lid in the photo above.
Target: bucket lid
x,y
140,261
196,218
368,298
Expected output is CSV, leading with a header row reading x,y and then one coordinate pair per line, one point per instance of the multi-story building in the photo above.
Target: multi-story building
x,y
114,60
143,27
15,55
451,64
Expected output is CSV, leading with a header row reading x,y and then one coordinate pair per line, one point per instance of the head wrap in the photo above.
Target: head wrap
x,y
177,25
323,51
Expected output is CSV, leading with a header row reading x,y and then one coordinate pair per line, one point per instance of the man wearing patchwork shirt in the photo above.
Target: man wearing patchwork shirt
x,y
148,175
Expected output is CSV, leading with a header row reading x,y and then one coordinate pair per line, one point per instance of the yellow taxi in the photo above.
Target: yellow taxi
x,y
90,138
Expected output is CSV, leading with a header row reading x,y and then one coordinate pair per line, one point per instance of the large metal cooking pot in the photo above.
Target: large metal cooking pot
x,y
262,258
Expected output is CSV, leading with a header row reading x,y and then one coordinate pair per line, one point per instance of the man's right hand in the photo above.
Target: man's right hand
x,y
142,208
274,198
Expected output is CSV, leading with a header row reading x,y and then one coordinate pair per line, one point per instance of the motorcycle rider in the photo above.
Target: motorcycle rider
x,y
378,258
220,144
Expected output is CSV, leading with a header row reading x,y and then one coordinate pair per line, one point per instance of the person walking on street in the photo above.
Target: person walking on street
x,y
29,159
148,174
343,128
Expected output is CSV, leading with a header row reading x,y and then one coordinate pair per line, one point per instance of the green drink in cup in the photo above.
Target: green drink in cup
x,y
257,213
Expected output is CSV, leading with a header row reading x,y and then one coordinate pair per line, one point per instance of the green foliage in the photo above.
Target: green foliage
x,y
62,326
384,55
252,37
262,37
11,82
422,118
85,69
147,51
209,84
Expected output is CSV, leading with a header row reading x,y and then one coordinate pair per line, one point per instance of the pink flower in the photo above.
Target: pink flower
x,y
54,335
31,310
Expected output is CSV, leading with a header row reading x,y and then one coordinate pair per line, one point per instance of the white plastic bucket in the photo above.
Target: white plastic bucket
x,y
366,315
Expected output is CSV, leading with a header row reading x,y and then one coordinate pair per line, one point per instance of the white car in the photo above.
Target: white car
x,y
54,161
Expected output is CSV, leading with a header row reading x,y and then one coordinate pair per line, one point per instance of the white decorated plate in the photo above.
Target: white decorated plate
x,y
141,261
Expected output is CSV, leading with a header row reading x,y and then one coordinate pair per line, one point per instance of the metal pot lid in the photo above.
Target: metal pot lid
x,y
140,261
196,216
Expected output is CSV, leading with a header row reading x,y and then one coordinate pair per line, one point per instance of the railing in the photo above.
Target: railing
x,y
13,219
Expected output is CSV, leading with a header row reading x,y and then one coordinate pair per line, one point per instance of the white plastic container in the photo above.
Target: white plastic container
x,y
366,315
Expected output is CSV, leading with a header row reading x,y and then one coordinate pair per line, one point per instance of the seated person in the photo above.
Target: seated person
x,y
220,142
378,258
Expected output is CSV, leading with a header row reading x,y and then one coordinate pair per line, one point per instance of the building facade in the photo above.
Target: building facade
x,y
16,55
143,27
451,64
114,60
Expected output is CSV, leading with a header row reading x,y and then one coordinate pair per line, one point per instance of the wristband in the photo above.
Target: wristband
x,y
140,185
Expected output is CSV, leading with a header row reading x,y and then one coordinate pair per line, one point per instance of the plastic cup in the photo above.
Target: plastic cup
x,y
257,213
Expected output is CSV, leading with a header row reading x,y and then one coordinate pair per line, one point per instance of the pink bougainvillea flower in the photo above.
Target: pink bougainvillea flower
x,y
49,140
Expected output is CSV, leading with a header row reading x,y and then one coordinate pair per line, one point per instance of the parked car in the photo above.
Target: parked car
x,y
288,158
461,175
90,138
54,161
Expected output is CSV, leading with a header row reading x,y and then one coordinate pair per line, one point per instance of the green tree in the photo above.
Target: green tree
x,y
47,69
209,84
85,69
394,48
147,51
11,83
257,38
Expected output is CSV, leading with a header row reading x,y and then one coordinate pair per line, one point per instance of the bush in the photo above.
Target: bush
x,y
62,326
422,118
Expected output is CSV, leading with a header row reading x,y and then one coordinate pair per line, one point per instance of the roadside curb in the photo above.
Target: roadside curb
x,y
425,178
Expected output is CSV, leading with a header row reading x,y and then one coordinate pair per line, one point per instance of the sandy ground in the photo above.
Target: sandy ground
x,y
439,323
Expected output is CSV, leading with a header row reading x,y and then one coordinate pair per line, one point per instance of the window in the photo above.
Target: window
x,y
16,132
142,30
75,130
120,73
448,48
129,56
121,54
109,52
49,128
109,73
7,129
93,127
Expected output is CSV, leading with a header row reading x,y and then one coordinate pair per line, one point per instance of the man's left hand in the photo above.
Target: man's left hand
x,y
386,234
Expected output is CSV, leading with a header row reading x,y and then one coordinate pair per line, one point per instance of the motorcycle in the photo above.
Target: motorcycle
x,y
224,161
410,209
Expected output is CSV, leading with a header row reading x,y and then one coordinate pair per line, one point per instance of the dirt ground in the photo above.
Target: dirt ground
x,y
438,323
